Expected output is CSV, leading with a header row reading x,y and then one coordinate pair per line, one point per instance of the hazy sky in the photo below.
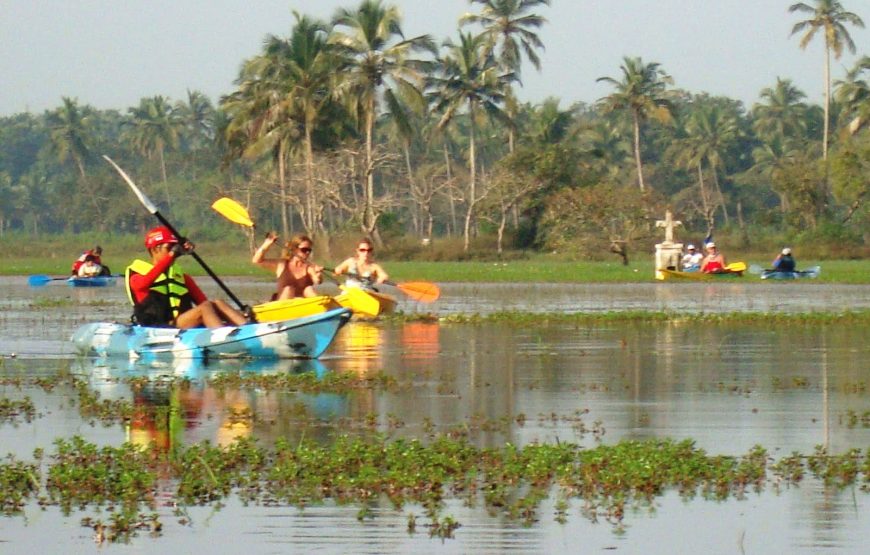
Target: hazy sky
x,y
112,53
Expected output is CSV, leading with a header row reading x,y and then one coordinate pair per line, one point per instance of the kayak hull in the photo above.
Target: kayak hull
x,y
366,302
800,274
96,281
306,337
673,275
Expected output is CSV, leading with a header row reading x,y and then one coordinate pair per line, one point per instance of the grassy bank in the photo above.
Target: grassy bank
x,y
54,254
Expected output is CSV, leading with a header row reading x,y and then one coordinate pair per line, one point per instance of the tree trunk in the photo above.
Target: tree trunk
x,y
827,99
637,152
282,191
452,224
472,183
369,220
721,196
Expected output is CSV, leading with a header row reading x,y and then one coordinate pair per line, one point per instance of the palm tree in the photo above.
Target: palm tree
x,y
469,77
854,94
197,116
154,128
508,27
782,114
642,91
378,58
71,133
829,17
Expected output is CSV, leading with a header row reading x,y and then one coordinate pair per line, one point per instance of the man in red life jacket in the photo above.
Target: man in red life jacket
x,y
714,262
163,295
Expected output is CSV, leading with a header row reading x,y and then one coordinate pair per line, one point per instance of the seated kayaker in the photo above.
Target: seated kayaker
x,y
691,261
90,267
96,253
361,269
714,262
296,274
163,295
784,262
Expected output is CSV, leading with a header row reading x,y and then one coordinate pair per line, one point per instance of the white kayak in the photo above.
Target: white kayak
x,y
306,337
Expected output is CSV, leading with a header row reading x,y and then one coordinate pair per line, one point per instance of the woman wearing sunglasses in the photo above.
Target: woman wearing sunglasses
x,y
296,274
361,269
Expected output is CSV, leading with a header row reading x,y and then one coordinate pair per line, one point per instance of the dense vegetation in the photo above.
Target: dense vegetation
x,y
349,127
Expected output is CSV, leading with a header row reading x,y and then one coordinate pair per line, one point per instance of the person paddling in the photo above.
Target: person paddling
x,y
361,269
295,272
784,262
163,295
714,262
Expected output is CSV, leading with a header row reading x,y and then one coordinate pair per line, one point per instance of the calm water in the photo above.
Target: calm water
x,y
728,387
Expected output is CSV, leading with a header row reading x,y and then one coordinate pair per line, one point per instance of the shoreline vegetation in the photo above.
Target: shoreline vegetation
x,y
53,254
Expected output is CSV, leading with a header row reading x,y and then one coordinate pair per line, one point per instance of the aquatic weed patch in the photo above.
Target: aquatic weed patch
x,y
511,481
308,382
13,411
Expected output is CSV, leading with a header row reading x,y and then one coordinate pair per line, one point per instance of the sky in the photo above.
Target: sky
x,y
110,54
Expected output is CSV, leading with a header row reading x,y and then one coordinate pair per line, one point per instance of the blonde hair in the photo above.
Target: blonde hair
x,y
293,244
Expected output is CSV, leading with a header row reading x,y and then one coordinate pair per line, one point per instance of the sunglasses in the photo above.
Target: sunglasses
x,y
365,250
306,250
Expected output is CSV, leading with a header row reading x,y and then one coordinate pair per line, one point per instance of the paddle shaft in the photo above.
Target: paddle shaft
x,y
153,209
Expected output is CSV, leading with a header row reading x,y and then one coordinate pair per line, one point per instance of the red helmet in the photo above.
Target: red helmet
x,y
159,236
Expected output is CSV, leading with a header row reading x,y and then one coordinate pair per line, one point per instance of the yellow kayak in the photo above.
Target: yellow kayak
x,y
365,302
289,309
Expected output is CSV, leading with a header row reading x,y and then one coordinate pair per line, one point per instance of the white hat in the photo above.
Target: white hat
x,y
786,251
711,244
691,247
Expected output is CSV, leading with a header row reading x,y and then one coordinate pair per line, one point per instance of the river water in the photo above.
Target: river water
x,y
728,387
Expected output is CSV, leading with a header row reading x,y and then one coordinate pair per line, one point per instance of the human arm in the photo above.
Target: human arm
x,y
380,274
259,257
195,292
344,267
140,284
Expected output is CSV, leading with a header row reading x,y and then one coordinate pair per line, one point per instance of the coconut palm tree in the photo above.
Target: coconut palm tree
x,y
379,60
781,112
831,18
469,78
510,30
853,93
71,136
154,127
642,91
508,26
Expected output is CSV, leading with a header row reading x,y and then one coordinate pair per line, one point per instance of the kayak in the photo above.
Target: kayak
x,y
306,337
96,281
697,276
289,309
775,274
362,302
366,302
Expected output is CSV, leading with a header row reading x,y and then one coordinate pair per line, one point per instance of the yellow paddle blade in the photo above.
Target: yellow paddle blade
x,y
233,211
736,267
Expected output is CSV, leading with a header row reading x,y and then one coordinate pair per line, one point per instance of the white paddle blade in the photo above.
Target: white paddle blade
x,y
142,198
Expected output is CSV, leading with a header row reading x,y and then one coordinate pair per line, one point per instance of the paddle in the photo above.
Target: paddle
x,y
146,202
756,269
41,279
736,267
422,291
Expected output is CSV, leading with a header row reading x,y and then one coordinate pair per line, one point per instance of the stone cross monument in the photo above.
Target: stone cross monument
x,y
668,253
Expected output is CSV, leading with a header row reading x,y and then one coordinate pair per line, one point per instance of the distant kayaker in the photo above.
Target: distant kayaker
x,y
714,262
90,267
163,295
296,274
691,261
361,269
784,262
96,253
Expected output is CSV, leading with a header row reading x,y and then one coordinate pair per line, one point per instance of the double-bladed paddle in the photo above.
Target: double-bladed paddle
x,y
152,208
422,291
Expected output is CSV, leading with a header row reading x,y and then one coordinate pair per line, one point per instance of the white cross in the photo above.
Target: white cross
x,y
668,223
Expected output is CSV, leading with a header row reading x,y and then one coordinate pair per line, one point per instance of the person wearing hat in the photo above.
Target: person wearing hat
x,y
714,262
784,262
163,295
691,261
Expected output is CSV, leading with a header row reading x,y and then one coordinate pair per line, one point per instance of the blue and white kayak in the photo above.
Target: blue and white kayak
x,y
95,281
306,337
809,273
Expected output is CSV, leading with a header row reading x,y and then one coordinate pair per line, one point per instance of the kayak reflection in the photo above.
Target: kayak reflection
x,y
175,403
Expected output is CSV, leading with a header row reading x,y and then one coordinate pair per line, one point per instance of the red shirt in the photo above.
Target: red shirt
x,y
140,284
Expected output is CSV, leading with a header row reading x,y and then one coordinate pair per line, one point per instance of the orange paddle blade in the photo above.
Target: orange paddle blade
x,y
423,291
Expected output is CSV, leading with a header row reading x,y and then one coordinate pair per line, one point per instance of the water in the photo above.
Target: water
x,y
728,387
